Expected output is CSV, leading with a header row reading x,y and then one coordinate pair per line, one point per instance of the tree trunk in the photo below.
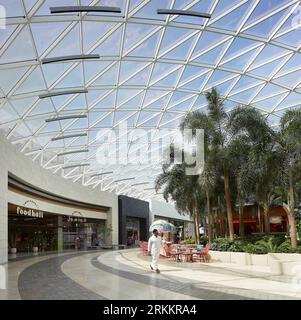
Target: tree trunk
x,y
259,218
240,217
266,214
209,215
194,225
196,221
229,207
291,215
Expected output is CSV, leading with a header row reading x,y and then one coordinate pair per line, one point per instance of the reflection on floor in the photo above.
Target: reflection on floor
x,y
126,274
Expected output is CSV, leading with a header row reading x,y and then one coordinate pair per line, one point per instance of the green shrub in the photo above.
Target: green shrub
x,y
268,243
221,244
286,247
255,249
188,241
237,246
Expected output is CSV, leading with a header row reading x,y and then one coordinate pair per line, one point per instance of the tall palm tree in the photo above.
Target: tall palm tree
x,y
258,174
290,147
183,190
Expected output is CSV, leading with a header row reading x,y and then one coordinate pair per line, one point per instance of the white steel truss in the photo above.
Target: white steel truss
x,y
152,70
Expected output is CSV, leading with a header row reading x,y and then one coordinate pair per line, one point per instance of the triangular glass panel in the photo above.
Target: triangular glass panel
x,y
145,116
291,100
78,103
147,48
291,80
72,79
126,95
92,69
134,33
34,124
217,77
246,96
82,141
69,45
51,127
293,63
162,69
93,31
265,28
156,100
241,62
234,18
6,33
264,8
178,97
110,46
29,4
212,57
151,123
44,106
292,38
268,69
7,113
108,78
268,104
22,131
197,83
201,102
34,82
45,34
224,88
21,49
10,77
23,105
140,78
192,71
224,6
52,72
79,124
95,95
269,52
169,81
107,102
183,106
239,45
120,116
170,118
100,119
244,82
269,90
128,68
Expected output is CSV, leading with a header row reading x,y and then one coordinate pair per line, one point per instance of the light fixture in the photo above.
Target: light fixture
x,y
139,184
75,116
184,13
102,173
70,136
62,93
70,9
72,152
76,165
71,58
125,179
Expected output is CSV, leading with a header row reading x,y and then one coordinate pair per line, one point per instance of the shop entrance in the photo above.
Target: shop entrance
x,y
132,231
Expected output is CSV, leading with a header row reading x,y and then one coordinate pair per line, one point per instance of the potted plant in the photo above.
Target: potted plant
x,y
36,242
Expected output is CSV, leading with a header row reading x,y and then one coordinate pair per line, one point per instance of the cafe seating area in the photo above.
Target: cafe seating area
x,y
181,253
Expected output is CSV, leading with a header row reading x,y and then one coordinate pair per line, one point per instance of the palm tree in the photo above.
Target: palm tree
x,y
183,190
290,147
258,174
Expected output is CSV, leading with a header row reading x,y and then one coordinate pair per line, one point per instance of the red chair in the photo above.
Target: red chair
x,y
204,257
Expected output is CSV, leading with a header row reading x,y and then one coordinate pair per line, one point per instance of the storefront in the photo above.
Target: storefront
x,y
133,221
40,222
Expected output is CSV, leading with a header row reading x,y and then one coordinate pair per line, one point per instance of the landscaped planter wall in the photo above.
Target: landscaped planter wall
x,y
279,263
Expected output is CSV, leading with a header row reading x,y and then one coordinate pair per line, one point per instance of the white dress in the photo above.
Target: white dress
x,y
154,246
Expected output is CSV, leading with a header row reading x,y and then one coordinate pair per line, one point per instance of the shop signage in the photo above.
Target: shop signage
x,y
30,212
77,219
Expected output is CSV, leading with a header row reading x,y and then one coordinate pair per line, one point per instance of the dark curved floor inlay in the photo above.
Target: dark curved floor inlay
x,y
46,281
178,287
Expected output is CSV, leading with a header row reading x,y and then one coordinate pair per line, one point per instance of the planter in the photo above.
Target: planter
x,y
13,250
35,249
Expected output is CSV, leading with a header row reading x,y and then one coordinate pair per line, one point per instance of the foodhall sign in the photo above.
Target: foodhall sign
x,y
35,213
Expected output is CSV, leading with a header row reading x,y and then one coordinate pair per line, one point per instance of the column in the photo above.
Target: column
x,y
3,215
60,233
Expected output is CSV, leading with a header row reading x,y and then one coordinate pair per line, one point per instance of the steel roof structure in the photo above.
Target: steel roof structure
x,y
89,71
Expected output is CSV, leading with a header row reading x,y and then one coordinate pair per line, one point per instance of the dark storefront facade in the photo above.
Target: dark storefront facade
x,y
133,220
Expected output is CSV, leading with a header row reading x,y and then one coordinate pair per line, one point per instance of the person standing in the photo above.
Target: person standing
x,y
154,247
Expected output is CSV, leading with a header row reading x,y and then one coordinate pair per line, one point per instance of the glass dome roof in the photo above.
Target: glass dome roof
x,y
147,68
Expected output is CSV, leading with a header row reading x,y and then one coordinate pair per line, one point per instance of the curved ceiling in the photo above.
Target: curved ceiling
x,y
146,68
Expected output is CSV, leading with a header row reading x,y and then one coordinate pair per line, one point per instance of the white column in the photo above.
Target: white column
x,y
3,215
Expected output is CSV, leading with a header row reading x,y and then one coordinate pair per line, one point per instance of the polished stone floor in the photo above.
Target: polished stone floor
x,y
125,275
